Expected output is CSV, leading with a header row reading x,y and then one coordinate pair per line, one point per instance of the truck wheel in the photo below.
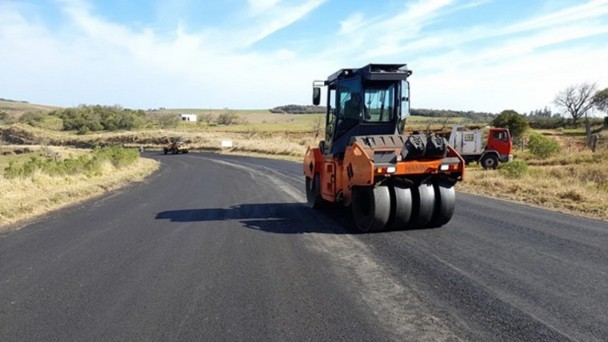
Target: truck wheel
x,y
423,200
445,200
489,162
371,208
313,192
401,207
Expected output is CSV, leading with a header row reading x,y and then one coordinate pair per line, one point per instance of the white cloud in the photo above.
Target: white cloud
x,y
352,23
423,9
103,62
584,12
385,35
276,17
523,83
259,6
486,68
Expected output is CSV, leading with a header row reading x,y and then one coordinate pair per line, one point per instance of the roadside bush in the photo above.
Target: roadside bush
x,y
167,120
554,122
515,169
69,166
512,120
52,123
83,130
543,147
228,118
207,118
84,164
118,156
97,118
33,118
7,119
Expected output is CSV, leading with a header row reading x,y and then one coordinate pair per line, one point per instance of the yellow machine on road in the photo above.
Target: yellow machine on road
x,y
175,146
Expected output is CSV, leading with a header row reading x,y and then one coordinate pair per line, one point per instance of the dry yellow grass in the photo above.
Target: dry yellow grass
x,y
579,187
26,198
18,108
287,144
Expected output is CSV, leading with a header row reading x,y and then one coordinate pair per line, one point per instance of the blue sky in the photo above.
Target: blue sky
x,y
480,55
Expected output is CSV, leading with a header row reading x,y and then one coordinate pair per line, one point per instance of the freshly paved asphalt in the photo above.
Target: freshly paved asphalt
x,y
222,248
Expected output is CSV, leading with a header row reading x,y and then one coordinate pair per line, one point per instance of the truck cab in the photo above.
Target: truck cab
x,y
471,145
500,141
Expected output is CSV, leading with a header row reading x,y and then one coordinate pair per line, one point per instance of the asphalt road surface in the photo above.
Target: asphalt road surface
x,y
222,248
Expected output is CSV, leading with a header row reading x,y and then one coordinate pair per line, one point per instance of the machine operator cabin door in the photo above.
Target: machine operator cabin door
x,y
349,103
330,120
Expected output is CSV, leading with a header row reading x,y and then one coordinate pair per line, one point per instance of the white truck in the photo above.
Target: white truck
x,y
471,146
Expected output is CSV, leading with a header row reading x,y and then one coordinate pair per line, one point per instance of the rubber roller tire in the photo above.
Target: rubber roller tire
x,y
401,207
371,208
445,201
423,200
313,192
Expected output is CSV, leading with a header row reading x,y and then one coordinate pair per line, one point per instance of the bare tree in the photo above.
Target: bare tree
x,y
207,118
577,100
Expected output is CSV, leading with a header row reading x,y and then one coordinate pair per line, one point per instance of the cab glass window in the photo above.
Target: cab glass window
x,y
379,102
500,135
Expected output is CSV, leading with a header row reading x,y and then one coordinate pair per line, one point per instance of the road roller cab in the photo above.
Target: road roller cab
x,y
391,180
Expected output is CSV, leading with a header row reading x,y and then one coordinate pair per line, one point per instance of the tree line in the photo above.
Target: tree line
x,y
9,100
100,118
309,109
84,119
446,113
298,109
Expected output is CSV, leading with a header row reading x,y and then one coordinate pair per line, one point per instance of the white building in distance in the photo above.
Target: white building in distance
x,y
188,117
